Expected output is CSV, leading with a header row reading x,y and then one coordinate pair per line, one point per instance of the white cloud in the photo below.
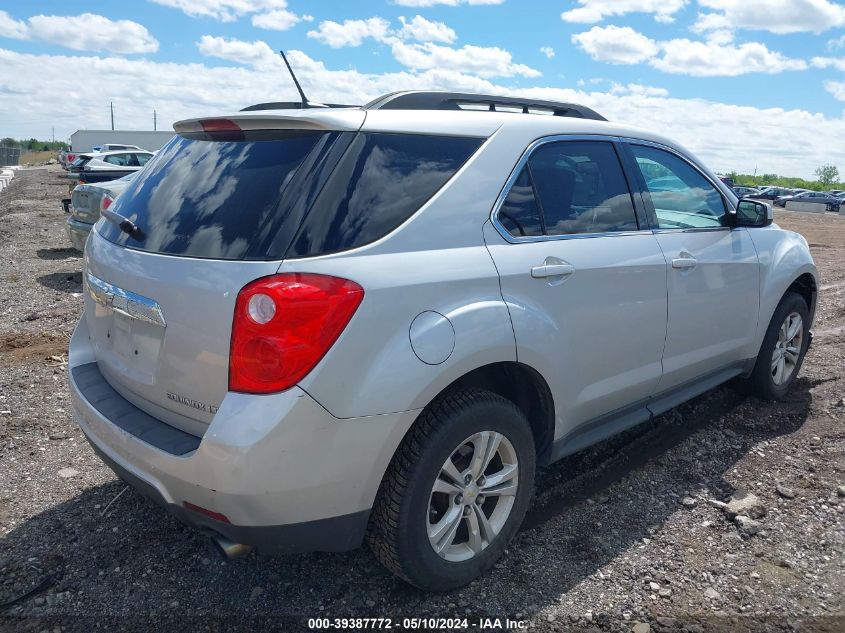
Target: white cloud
x,y
723,36
483,61
829,62
548,51
9,27
836,88
638,89
716,57
279,20
592,11
351,32
448,3
354,32
726,136
256,53
837,43
422,30
785,16
616,45
707,59
86,32
223,10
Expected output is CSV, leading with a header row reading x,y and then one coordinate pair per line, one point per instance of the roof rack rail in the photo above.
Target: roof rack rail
x,y
436,100
293,105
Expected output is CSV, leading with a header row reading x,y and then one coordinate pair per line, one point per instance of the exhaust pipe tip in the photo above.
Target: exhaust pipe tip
x,y
229,550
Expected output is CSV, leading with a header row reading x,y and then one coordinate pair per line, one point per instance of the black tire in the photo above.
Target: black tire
x,y
761,382
397,531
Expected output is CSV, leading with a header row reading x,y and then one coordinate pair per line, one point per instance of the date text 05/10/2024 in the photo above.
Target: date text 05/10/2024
x,y
417,624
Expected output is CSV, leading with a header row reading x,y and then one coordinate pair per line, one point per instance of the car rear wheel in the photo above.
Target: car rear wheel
x,y
783,349
456,491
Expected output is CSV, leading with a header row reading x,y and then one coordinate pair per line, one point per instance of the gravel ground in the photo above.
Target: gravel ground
x,y
630,535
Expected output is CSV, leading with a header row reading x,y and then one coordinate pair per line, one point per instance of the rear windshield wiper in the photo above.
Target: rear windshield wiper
x,y
125,224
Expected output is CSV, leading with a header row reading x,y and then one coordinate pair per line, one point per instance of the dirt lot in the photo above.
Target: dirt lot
x,y
621,536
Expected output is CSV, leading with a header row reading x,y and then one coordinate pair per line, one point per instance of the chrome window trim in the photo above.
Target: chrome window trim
x,y
697,229
526,155
129,304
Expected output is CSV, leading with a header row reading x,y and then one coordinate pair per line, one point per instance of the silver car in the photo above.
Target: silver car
x,y
112,160
86,204
308,328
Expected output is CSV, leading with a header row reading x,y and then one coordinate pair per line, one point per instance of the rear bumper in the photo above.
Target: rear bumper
x,y
286,475
78,232
336,534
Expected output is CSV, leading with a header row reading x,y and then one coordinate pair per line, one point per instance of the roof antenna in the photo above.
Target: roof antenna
x,y
305,103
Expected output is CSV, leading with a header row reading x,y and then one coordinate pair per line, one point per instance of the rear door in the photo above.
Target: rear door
x,y
712,269
586,288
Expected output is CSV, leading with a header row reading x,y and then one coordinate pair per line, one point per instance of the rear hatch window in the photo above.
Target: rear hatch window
x,y
204,198
271,194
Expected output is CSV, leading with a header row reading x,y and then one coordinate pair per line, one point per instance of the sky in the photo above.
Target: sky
x,y
748,85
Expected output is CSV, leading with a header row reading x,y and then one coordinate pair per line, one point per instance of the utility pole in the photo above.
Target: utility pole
x,y
154,121
54,135
111,108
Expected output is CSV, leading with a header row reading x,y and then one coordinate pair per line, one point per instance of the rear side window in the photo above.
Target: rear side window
x,y
572,187
206,198
381,181
121,160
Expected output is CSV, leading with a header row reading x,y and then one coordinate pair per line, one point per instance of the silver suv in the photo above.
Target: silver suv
x,y
307,328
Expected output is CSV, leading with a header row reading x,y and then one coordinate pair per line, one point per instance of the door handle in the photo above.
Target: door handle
x,y
552,270
684,262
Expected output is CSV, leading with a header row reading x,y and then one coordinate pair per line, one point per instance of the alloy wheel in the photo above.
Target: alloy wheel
x,y
787,350
472,496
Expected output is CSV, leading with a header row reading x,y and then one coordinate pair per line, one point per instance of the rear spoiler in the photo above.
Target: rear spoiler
x,y
320,119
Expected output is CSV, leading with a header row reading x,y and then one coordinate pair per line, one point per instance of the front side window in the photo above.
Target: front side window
x,y
682,197
568,188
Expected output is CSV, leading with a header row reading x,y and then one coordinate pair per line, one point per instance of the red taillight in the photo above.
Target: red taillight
x,y
70,158
222,129
219,125
106,202
284,325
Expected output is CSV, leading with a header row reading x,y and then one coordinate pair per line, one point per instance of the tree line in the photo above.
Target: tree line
x,y
827,178
33,144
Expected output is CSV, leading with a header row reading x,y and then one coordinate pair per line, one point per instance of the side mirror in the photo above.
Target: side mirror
x,y
753,213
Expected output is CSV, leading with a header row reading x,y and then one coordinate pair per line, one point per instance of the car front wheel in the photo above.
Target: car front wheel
x,y
783,349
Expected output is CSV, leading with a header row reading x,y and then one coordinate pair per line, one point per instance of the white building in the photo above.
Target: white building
x,y
85,140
